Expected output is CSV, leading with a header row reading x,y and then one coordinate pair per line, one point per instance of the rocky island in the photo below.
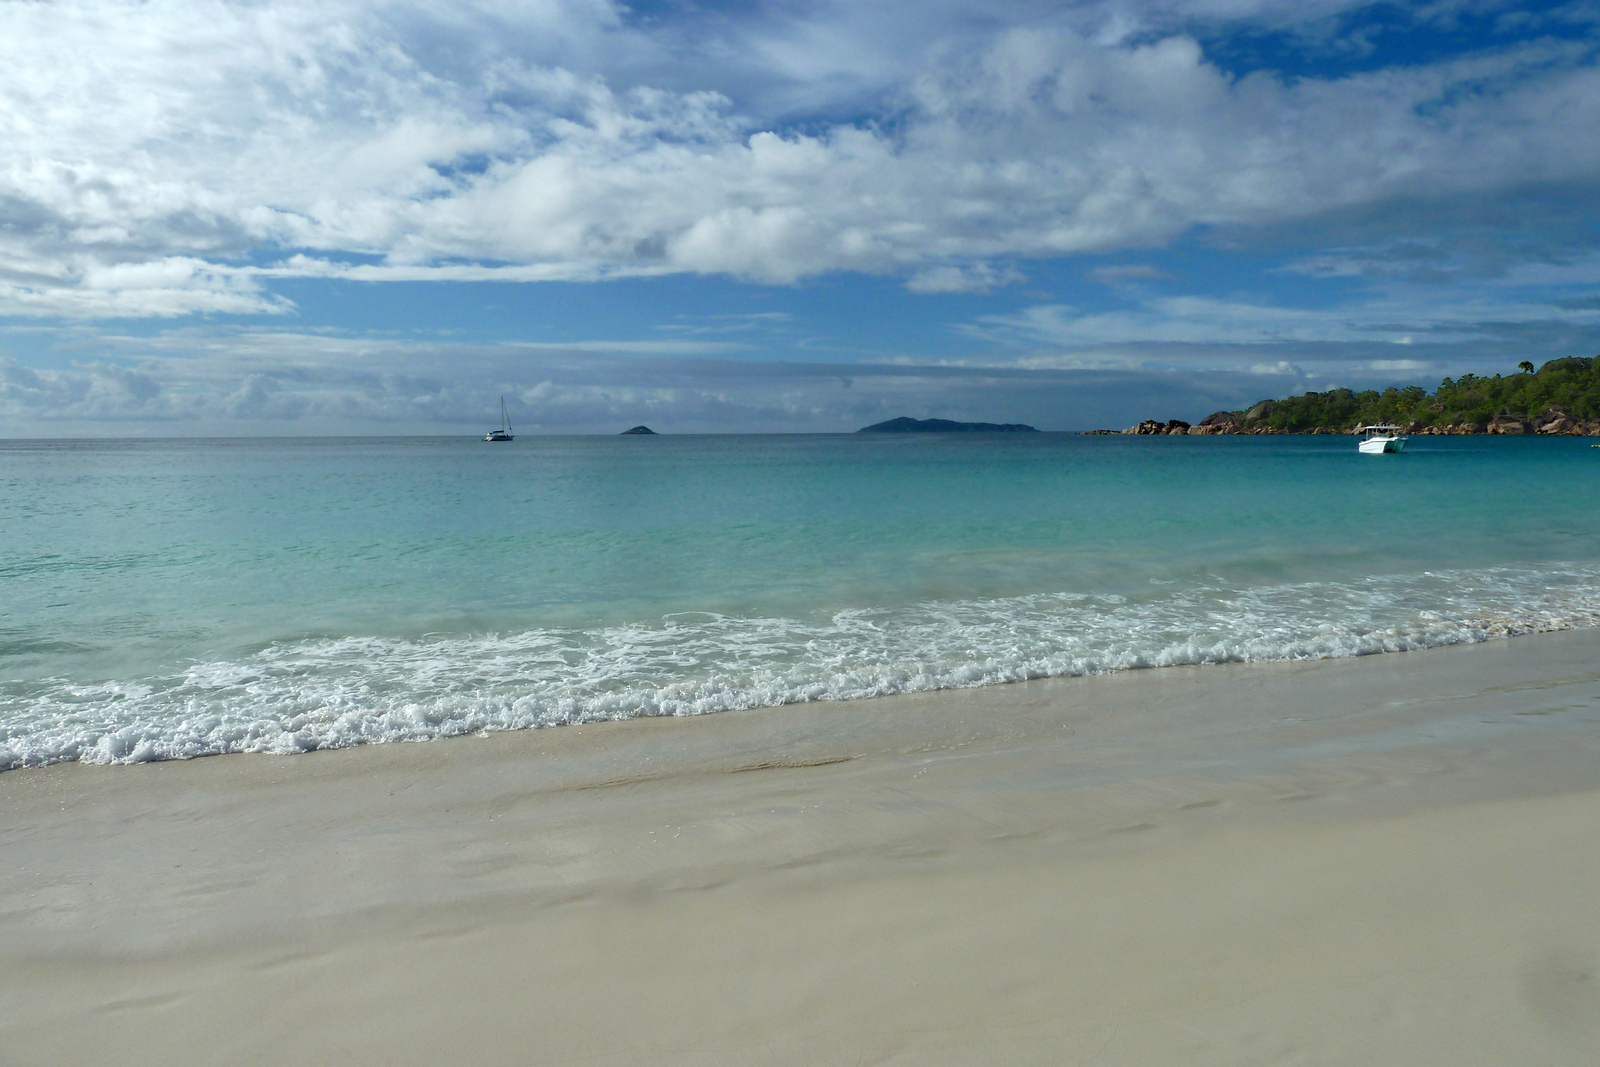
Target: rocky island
x,y
638,429
907,425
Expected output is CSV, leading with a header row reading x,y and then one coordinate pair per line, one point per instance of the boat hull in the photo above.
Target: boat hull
x,y
1379,445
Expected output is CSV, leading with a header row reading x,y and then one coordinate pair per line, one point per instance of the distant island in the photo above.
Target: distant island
x,y
638,429
905,425
1561,397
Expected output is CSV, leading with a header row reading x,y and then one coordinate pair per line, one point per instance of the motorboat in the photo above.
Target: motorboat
x,y
1382,438
504,432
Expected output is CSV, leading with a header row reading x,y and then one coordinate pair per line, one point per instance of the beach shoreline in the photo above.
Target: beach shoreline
x,y
1375,860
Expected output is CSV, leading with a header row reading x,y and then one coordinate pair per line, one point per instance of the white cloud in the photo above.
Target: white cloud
x,y
962,278
94,392
201,383
155,149
208,380
1398,313
80,286
1124,273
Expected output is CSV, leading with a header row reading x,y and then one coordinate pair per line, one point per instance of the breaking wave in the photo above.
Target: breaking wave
x,y
297,696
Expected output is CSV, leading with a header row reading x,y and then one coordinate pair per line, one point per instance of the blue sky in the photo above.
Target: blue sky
x,y
353,217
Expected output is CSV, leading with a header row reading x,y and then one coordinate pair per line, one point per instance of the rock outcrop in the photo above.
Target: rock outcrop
x,y
1509,424
639,430
1557,419
1152,426
1218,422
1554,419
1257,413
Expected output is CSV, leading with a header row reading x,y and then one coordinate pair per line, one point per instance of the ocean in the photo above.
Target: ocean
x,y
174,598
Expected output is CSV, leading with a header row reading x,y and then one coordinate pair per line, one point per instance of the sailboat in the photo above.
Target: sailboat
x,y
504,432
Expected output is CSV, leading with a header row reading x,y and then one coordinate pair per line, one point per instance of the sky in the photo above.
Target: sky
x,y
221,217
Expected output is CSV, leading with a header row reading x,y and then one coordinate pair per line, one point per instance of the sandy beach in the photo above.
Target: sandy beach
x,y
1386,860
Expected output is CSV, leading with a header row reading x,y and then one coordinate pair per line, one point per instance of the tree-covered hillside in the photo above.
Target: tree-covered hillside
x,y
1569,385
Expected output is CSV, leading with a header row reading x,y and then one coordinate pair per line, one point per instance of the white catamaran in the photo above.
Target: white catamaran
x,y
504,432
1381,439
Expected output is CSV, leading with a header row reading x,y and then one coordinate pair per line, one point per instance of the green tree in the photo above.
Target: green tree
x,y
1571,383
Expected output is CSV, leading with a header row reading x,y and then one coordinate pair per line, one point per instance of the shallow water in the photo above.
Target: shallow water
x,y
177,598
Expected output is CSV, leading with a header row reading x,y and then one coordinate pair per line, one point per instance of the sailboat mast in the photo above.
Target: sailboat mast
x,y
504,432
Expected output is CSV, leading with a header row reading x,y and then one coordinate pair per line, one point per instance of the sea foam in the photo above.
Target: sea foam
x,y
298,696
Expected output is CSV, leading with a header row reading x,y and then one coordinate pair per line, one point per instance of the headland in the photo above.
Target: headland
x,y
1562,397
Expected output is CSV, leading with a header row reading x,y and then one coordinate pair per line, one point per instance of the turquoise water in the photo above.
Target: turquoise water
x,y
178,598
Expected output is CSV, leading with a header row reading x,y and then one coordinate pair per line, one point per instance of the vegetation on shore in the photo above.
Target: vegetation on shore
x,y
1563,396
1570,385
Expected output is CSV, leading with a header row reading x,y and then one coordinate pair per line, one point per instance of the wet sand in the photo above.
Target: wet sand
x,y
1387,860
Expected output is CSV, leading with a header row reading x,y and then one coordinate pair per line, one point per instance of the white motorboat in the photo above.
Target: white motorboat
x,y
1380,439
504,432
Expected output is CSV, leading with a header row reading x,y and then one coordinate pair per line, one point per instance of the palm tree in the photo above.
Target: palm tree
x,y
1525,367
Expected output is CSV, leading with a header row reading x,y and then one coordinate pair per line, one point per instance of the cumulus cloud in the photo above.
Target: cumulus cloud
x,y
1040,369
197,383
82,286
95,392
173,156
1515,305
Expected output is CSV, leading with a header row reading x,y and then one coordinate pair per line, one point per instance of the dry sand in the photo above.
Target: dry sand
x,y
1393,860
